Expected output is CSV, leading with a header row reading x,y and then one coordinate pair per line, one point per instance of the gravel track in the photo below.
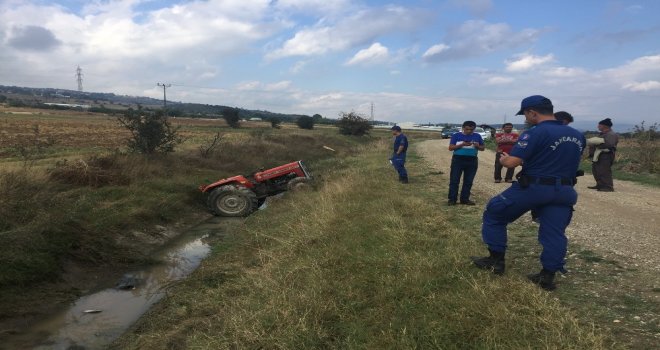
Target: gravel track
x,y
624,223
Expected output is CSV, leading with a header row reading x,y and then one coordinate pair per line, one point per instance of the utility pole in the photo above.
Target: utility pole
x,y
79,76
165,86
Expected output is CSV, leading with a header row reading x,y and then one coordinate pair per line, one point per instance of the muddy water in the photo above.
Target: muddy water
x,y
114,310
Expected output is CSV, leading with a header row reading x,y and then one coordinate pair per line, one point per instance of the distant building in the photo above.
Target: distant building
x,y
67,105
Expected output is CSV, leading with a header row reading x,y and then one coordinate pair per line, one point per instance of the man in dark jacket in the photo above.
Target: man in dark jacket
x,y
602,150
399,156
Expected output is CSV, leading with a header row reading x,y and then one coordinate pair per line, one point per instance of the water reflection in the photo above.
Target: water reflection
x,y
76,329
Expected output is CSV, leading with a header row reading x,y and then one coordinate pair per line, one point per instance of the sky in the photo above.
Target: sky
x,y
416,61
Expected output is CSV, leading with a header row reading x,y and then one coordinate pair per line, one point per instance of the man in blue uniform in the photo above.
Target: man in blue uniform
x,y
399,156
550,155
465,145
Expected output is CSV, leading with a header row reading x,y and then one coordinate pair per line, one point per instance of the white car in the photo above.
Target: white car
x,y
484,134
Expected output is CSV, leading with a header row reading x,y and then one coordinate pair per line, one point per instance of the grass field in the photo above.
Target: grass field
x,y
366,263
72,200
358,262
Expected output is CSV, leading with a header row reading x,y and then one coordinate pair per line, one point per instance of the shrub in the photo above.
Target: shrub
x,y
353,124
150,131
305,122
275,122
647,148
232,117
95,172
207,148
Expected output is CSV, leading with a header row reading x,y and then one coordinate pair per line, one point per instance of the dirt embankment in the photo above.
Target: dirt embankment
x,y
625,223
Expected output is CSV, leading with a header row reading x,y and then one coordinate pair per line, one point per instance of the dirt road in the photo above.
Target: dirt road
x,y
625,223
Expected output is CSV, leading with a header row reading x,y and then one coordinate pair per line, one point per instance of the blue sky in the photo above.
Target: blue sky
x,y
421,61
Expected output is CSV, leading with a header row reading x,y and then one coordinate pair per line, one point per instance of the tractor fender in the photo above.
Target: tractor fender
x,y
239,180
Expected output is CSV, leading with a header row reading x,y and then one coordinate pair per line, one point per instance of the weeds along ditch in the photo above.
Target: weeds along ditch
x,y
72,208
363,262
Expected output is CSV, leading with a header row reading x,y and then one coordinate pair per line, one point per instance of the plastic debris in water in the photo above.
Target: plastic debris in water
x,y
92,311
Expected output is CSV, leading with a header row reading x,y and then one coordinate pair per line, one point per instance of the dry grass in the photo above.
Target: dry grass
x,y
82,202
362,263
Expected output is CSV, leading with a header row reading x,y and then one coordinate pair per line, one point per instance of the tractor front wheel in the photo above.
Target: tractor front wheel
x,y
231,200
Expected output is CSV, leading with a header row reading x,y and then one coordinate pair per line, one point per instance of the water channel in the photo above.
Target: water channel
x,y
95,320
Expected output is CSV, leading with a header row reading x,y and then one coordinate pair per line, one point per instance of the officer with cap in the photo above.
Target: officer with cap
x,y
550,155
399,156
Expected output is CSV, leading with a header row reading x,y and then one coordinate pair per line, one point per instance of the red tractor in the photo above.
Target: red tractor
x,y
241,195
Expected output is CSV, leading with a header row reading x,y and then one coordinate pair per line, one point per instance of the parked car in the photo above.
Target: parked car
x,y
484,134
447,132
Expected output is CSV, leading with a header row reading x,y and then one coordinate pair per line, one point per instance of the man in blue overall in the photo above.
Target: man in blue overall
x,y
399,156
465,145
550,155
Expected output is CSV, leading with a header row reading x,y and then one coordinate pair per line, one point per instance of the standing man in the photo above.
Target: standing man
x,y
505,141
565,118
601,151
550,155
399,156
465,145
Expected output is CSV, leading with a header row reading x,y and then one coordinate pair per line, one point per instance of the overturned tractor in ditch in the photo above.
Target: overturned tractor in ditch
x,y
241,195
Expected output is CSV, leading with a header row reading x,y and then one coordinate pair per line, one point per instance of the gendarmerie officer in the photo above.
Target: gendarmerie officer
x,y
550,155
399,156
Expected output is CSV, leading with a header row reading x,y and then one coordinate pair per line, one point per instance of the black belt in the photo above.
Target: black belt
x,y
551,181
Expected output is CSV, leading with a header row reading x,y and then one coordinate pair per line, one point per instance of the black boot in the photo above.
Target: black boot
x,y
494,262
544,279
403,180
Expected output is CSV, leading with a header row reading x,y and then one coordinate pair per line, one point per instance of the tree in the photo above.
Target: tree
x,y
305,122
353,124
317,118
150,131
275,122
232,117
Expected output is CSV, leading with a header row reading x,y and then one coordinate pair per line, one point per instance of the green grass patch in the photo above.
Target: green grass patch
x,y
50,222
363,262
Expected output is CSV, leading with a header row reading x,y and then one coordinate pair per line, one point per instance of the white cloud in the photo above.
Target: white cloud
x,y
564,72
376,53
279,86
114,40
499,80
249,85
643,86
323,7
475,38
260,86
434,51
350,31
298,67
525,62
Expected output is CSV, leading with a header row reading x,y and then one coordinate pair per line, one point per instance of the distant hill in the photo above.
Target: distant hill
x,y
109,102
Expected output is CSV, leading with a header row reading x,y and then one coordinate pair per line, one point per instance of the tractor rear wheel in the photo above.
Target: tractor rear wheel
x,y
298,184
231,200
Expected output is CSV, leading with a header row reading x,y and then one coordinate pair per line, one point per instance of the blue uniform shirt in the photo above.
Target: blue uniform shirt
x,y
469,151
401,140
550,149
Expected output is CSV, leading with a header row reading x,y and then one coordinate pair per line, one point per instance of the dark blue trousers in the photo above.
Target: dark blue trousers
x,y
467,167
399,162
553,203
